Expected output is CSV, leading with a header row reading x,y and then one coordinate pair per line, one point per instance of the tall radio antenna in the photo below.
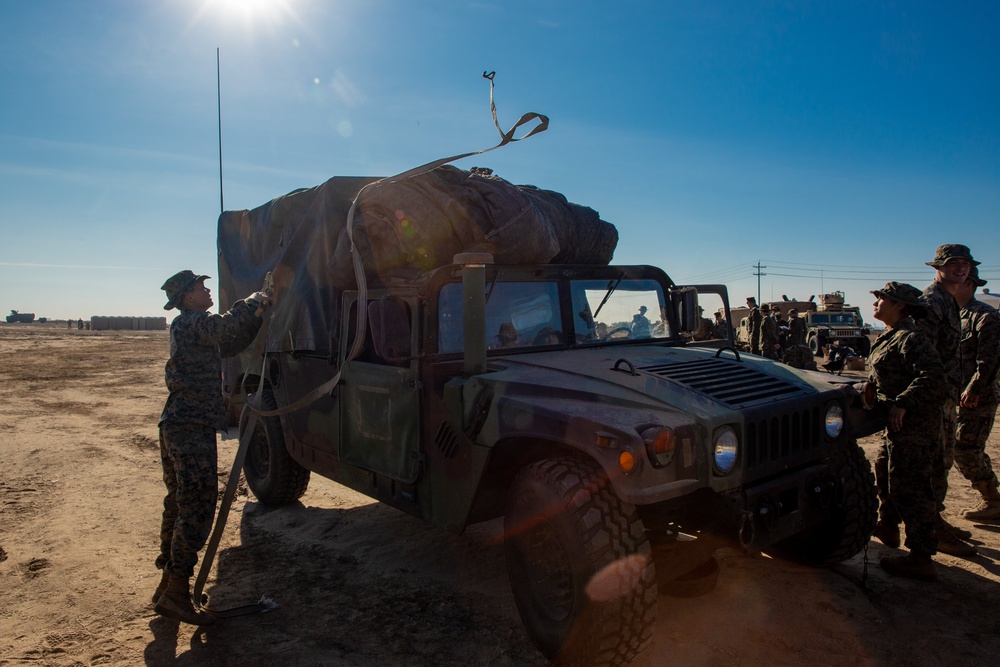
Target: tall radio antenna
x,y
218,88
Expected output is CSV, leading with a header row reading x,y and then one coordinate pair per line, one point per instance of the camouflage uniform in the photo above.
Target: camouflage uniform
x,y
980,352
768,337
721,329
942,324
907,372
193,411
753,323
796,331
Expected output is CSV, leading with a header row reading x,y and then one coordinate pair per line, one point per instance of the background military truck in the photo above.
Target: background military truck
x,y
493,384
835,322
24,318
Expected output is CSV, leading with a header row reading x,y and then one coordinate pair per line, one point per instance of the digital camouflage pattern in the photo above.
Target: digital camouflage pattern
x,y
907,372
768,337
796,331
943,325
753,322
980,352
198,343
190,467
194,410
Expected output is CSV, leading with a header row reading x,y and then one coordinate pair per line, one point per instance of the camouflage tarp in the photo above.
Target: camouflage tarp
x,y
401,229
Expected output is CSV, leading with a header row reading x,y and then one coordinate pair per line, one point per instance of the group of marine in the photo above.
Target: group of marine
x,y
933,383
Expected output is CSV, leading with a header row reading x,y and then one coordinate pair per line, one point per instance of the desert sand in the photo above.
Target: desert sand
x,y
359,583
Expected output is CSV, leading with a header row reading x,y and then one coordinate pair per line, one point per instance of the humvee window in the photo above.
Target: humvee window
x,y
618,309
518,315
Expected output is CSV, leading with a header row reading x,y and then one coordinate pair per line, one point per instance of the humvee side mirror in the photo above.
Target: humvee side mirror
x,y
389,320
687,308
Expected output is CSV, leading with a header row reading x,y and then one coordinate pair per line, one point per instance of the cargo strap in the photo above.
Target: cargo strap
x,y
253,403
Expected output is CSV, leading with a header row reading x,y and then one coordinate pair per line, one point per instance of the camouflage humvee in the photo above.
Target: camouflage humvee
x,y
616,451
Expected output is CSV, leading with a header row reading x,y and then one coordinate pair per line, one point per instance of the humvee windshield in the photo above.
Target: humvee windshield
x,y
834,318
523,315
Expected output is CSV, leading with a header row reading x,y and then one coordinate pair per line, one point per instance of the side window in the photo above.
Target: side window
x,y
518,315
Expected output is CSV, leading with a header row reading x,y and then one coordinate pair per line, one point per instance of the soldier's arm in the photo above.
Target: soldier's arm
x,y
987,327
929,382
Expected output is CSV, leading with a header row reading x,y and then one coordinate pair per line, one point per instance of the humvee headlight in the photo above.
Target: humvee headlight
x,y
660,444
727,447
834,420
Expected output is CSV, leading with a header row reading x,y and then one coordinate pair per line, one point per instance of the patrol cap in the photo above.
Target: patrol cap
x,y
765,308
951,251
901,292
793,311
178,285
974,277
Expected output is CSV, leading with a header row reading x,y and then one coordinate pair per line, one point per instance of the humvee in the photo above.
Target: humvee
x,y
620,455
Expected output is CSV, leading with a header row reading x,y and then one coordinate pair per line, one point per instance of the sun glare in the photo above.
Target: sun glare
x,y
251,13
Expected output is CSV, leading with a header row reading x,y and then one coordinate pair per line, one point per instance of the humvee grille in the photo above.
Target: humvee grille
x,y
780,437
727,381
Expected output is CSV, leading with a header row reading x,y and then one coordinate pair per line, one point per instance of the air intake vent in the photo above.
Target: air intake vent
x,y
777,438
727,381
446,440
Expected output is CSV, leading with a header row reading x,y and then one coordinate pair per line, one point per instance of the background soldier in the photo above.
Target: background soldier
x,y
768,334
640,324
907,381
753,323
977,407
194,410
796,328
943,326
721,326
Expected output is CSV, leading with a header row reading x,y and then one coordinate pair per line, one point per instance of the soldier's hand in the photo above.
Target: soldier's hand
x,y
896,415
969,400
263,299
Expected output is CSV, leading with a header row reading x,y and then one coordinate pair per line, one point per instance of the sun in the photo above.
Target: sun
x,y
251,13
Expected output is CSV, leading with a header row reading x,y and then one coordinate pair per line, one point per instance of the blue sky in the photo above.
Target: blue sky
x,y
835,143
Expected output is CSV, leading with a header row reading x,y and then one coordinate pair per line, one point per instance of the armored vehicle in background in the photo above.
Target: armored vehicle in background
x,y
559,395
24,318
834,323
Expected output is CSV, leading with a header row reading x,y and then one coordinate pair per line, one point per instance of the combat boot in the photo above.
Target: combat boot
x,y
948,542
176,603
887,532
914,565
161,587
989,507
960,533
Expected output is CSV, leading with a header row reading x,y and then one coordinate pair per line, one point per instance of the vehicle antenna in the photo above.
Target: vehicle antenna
x,y
218,88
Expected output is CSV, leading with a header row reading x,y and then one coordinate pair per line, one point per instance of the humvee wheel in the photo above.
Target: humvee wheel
x,y
580,564
855,511
273,476
815,346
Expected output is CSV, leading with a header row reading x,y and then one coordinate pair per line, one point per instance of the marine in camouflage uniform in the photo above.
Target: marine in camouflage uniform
x,y
980,351
796,328
906,382
194,410
754,318
943,325
768,334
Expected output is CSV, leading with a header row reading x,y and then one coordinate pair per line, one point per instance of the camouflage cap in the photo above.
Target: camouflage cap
x,y
974,277
178,285
901,292
951,251
765,308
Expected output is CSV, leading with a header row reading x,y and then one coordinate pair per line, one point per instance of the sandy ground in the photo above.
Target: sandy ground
x,y
356,582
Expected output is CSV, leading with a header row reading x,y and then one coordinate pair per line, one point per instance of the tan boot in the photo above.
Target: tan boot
x,y
949,544
161,587
960,533
176,603
913,566
989,507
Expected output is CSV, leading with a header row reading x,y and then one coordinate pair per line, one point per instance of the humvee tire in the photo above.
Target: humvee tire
x,y
850,528
580,564
274,477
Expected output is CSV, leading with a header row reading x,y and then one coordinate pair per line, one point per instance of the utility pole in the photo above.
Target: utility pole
x,y
759,274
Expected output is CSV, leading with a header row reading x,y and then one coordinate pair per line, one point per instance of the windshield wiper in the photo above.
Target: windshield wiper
x,y
611,290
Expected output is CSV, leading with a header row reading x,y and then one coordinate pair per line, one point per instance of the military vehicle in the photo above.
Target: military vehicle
x,y
24,318
836,323
562,397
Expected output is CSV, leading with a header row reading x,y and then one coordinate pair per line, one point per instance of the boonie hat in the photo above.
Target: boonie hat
x,y
178,285
901,292
974,277
951,251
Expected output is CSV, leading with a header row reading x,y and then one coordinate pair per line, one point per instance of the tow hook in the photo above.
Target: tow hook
x,y
764,515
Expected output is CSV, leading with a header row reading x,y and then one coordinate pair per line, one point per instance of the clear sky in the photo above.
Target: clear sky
x,y
834,143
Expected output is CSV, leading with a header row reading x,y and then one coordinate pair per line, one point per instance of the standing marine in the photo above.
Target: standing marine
x,y
943,325
754,318
796,328
194,410
905,385
977,406
768,334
